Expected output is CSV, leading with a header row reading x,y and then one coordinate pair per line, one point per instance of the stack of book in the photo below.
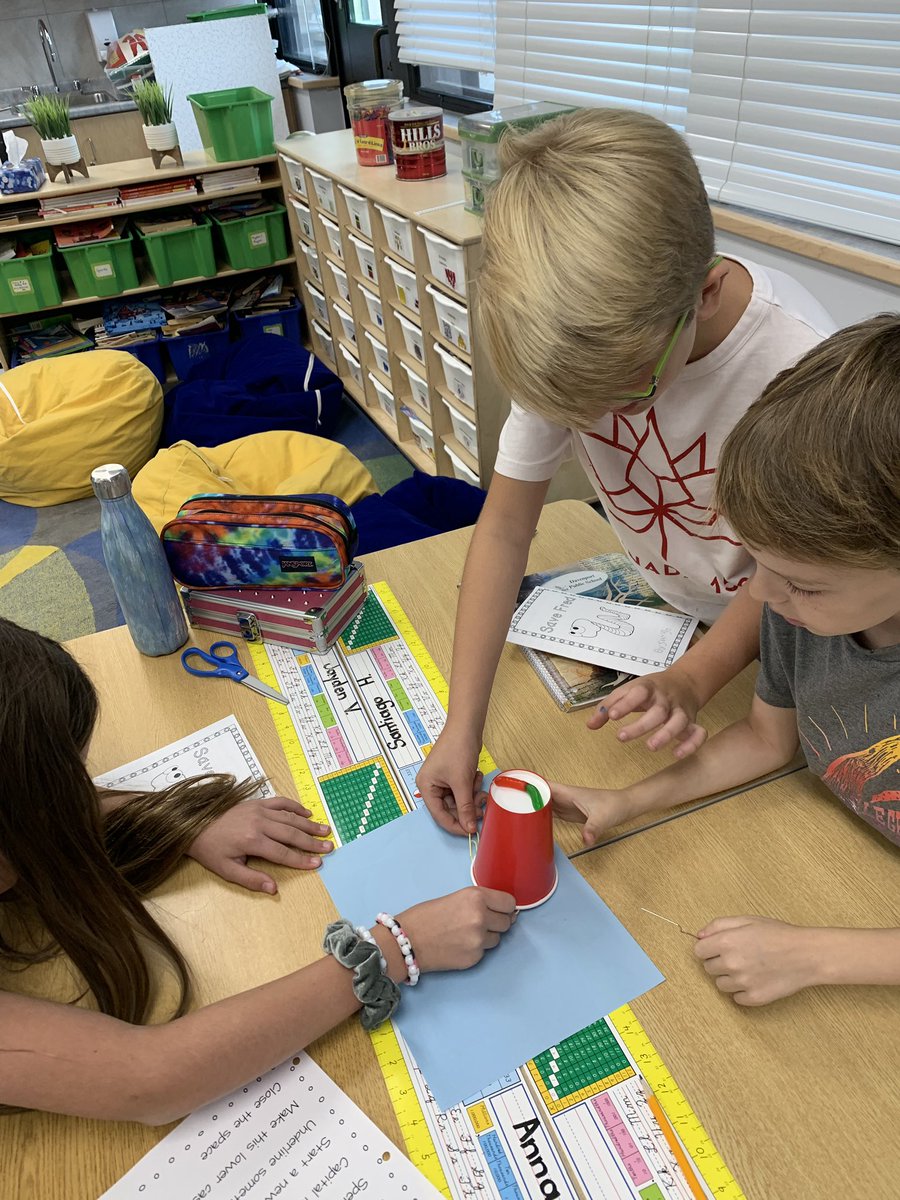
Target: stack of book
x,y
14,248
227,181
164,189
87,231
165,222
200,310
235,210
12,215
48,338
264,294
79,202
128,323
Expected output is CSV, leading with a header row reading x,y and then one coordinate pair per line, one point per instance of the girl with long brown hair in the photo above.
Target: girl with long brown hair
x,y
72,877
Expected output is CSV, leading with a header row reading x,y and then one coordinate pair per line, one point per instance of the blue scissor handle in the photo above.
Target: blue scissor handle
x,y
227,664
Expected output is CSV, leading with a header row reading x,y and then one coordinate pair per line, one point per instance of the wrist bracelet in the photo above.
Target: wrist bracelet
x,y
412,967
376,991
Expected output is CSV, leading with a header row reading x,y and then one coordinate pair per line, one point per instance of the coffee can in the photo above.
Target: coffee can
x,y
417,136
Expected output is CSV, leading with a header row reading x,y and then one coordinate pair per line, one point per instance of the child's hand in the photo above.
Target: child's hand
x,y
275,828
757,960
597,809
453,932
670,704
450,783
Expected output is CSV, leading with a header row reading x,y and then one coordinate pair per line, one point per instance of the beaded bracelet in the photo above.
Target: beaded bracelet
x,y
375,990
405,945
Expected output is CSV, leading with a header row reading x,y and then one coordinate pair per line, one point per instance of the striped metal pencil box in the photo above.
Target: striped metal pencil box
x,y
310,619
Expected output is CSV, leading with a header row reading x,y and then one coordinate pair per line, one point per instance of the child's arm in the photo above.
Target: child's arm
x,y
671,699
70,1060
756,960
493,572
761,742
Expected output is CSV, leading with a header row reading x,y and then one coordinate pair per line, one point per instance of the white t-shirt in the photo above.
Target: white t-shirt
x,y
654,471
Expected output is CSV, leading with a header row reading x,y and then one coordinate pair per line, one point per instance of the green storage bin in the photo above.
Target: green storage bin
x,y
255,241
235,123
27,284
181,254
219,14
102,268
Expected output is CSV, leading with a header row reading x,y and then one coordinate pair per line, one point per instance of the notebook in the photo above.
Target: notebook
x,y
574,684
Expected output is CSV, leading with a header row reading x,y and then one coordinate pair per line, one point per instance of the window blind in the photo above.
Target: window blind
x,y
634,53
796,109
446,33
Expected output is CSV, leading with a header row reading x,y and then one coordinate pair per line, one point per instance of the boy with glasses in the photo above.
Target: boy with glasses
x,y
624,340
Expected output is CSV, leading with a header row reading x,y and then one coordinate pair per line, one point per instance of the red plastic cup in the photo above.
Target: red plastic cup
x,y
515,849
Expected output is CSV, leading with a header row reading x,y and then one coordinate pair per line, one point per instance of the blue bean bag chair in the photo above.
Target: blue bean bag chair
x,y
417,508
261,383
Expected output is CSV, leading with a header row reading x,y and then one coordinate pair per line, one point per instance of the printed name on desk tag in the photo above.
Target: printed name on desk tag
x,y
291,1133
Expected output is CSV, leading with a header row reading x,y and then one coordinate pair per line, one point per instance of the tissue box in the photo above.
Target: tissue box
x,y
28,176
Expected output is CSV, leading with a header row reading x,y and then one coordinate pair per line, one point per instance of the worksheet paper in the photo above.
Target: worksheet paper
x,y
561,967
624,637
291,1133
219,748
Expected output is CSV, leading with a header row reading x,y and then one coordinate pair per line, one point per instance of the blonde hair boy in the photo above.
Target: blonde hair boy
x,y
625,341
809,478
576,295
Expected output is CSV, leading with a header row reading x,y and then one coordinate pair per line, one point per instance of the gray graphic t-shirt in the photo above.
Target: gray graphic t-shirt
x,y
847,700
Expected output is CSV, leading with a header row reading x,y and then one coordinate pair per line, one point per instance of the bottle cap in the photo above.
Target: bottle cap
x,y
110,482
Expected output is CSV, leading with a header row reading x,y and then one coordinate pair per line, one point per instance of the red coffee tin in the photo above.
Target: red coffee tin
x,y
417,136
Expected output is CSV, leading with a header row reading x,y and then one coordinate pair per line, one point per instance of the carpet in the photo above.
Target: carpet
x,y
52,575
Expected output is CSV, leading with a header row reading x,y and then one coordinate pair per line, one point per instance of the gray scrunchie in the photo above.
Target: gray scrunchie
x,y
376,992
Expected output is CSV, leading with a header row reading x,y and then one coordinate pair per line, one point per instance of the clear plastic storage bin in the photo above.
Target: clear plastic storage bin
x,y
366,257
341,281
452,319
382,360
458,376
419,388
412,337
348,328
318,301
406,284
447,262
324,189
358,210
385,397
463,429
333,233
373,304
304,219
398,233
353,367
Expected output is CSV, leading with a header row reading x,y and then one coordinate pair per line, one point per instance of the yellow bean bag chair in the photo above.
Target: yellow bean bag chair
x,y
277,463
61,417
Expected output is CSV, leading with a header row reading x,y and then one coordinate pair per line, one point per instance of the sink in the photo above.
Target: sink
x,y
84,95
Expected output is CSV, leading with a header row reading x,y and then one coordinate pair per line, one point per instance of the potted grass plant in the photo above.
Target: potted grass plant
x,y
50,117
155,106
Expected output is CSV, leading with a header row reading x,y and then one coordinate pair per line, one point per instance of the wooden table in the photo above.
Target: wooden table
x,y
758,1079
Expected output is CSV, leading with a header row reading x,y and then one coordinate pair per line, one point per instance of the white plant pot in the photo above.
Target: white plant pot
x,y
59,151
161,137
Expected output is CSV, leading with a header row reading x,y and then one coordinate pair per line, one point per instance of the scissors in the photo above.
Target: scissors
x,y
222,657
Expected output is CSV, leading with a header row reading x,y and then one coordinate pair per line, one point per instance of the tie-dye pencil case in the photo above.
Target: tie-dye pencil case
x,y
223,541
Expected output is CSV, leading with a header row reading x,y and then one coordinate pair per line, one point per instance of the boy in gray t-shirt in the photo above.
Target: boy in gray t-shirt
x,y
810,480
846,700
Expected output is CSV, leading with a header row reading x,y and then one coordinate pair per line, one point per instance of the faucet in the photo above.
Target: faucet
x,y
49,51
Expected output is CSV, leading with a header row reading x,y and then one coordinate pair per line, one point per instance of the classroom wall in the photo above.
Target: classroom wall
x,y
22,58
847,296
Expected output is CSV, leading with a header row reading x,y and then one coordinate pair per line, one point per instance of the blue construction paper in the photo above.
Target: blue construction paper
x,y
561,967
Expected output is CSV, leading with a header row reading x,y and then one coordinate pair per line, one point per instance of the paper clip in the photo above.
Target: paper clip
x,y
669,921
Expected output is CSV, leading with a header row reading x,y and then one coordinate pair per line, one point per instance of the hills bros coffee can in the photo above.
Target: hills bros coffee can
x,y
417,135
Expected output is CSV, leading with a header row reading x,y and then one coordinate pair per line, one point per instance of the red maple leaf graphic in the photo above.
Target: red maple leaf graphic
x,y
648,497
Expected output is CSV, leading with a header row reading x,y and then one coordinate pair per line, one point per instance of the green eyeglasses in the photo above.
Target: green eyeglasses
x,y
660,367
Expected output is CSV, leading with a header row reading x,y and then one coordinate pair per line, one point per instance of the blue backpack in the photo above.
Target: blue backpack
x,y
263,382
